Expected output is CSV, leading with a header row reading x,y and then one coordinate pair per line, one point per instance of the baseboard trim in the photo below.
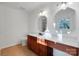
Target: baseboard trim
x,y
10,46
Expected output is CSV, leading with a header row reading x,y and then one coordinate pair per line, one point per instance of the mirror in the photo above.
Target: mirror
x,y
42,24
65,21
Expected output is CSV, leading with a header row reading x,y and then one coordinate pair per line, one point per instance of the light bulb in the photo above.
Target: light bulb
x,y
63,6
43,13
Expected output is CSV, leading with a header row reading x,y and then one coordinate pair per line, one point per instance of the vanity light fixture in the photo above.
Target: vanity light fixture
x,y
63,5
43,13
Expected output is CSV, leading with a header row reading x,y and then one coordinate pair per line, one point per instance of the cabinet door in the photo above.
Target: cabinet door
x,y
32,42
28,42
78,51
42,50
34,45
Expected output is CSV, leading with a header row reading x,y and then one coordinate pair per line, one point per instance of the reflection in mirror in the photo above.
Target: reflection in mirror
x,y
65,21
42,24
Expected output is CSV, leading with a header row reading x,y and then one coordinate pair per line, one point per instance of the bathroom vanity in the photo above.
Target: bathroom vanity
x,y
39,46
44,47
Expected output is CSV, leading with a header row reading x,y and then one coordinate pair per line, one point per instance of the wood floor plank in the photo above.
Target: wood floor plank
x,y
0,52
17,50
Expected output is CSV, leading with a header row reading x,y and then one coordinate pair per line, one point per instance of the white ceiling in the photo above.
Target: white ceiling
x,y
28,6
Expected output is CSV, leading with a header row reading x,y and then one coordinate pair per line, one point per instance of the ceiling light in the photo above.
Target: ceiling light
x,y
62,5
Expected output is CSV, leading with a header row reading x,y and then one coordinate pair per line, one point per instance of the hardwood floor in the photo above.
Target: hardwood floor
x,y
17,50
0,52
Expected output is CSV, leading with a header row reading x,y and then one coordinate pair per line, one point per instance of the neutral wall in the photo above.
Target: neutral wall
x,y
34,18
13,26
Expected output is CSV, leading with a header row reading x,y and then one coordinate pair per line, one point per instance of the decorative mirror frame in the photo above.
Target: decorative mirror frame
x,y
65,21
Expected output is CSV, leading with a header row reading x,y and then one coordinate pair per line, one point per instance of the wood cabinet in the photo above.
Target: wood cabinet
x,y
45,47
65,48
32,43
39,46
78,52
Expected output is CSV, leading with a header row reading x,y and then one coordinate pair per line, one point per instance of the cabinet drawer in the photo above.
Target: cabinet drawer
x,y
68,49
50,43
71,51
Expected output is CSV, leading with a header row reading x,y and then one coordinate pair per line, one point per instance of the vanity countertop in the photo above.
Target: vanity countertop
x,y
66,41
